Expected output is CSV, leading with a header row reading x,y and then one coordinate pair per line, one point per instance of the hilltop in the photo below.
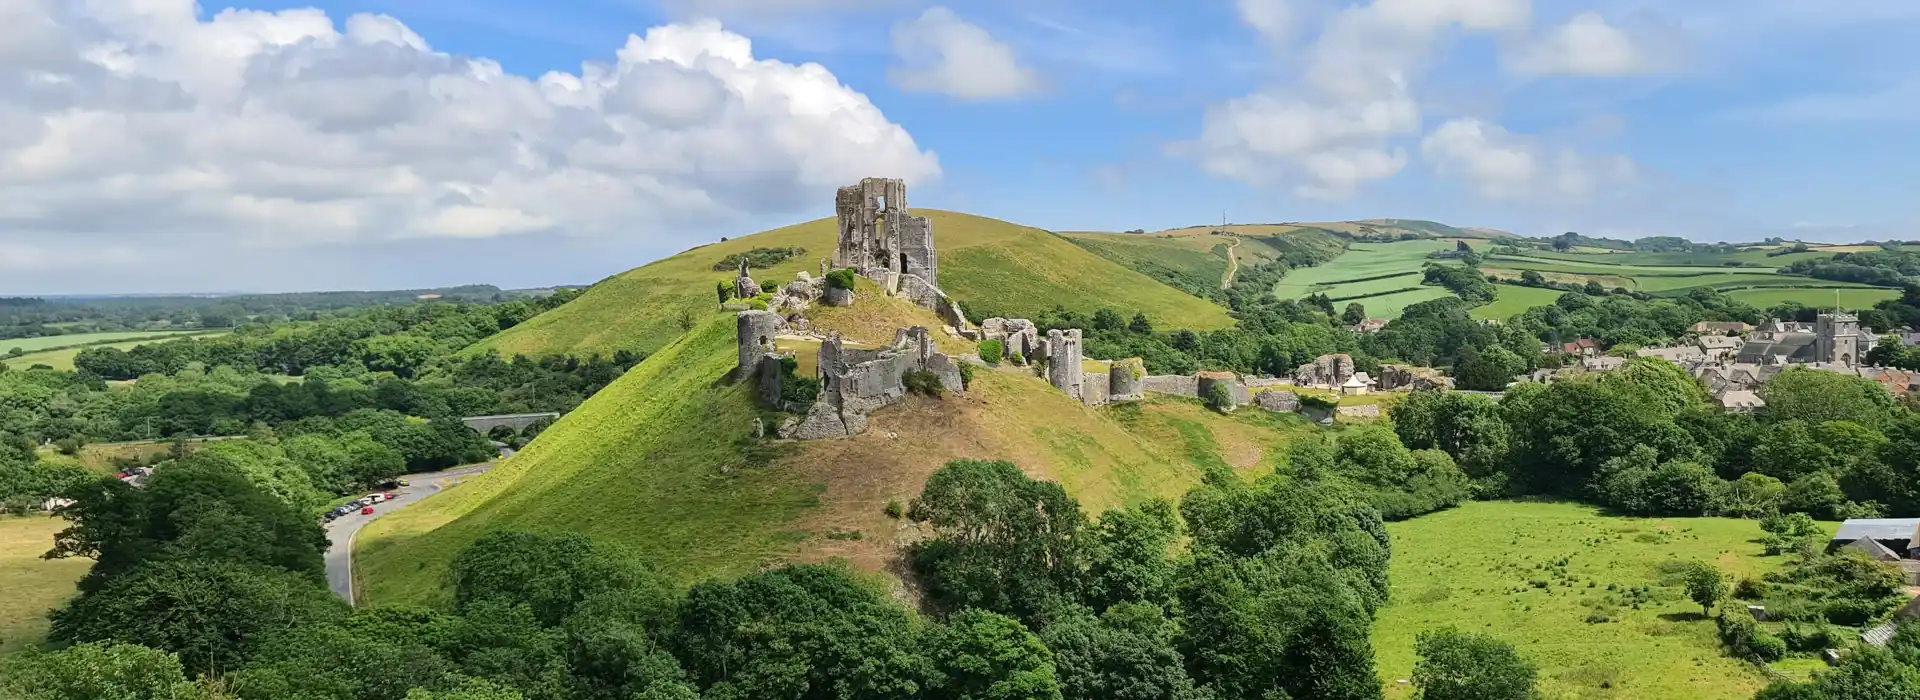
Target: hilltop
x,y
661,463
991,266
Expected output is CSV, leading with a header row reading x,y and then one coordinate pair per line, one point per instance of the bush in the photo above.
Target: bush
x,y
758,257
924,383
757,304
966,375
1766,647
840,279
896,510
1219,398
1750,589
991,351
1017,359
70,445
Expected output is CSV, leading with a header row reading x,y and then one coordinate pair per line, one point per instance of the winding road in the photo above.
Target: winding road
x,y
1233,264
341,531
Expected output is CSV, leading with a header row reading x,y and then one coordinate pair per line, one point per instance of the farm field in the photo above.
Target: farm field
x,y
51,342
1370,269
1757,256
62,359
1532,574
32,585
1511,299
1605,267
1857,298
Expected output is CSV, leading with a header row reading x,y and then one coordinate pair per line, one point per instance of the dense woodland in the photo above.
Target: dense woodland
x,y
28,317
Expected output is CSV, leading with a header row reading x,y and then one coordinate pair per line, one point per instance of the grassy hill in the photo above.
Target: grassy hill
x,y
984,263
1671,274
659,462
1197,260
1383,277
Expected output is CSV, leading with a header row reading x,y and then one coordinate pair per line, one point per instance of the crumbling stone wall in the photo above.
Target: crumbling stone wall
x,y
1094,388
1393,377
1063,360
855,382
1277,401
755,331
743,286
1327,370
1127,379
927,296
1207,380
1016,335
1174,384
878,236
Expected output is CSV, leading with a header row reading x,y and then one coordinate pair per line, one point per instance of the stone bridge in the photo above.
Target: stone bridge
x,y
518,421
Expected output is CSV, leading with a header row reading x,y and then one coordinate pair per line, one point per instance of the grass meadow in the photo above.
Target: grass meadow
x,y
1510,299
1542,576
30,587
1383,277
62,358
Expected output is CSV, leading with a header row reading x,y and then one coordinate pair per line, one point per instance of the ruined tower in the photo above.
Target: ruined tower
x,y
1063,361
754,331
878,236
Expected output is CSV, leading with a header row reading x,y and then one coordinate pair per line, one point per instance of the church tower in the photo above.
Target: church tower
x,y
1837,338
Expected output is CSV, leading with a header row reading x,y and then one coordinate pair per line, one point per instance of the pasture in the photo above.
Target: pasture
x,y
1855,298
62,358
1761,286
1512,299
1585,596
55,342
32,586
1383,277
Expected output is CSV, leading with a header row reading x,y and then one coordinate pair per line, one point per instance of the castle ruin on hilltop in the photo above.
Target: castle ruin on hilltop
x,y
879,238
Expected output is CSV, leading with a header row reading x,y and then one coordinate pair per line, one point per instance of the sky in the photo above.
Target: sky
x,y
163,146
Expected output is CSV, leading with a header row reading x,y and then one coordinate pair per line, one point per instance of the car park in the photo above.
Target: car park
x,y
367,510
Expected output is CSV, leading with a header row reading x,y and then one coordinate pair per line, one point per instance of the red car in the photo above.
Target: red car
x,y
367,510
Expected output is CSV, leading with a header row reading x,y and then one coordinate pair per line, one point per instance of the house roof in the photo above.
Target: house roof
x,y
1873,549
1719,342
1720,327
1741,398
1877,528
1879,634
1355,381
1787,345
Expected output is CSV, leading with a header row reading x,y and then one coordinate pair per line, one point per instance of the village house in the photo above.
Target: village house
x,y
1584,347
1371,325
1720,328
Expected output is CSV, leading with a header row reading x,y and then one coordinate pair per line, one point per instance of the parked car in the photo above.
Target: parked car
x,y
367,510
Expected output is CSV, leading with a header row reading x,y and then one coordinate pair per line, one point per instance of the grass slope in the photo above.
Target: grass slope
x,y
1511,299
1383,277
54,342
1474,567
655,463
62,358
1195,259
31,586
1855,298
986,262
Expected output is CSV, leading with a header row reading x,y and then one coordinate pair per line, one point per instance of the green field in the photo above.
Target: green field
x,y
1849,298
1199,256
659,463
51,342
1373,274
1016,269
31,586
1476,567
1511,299
62,359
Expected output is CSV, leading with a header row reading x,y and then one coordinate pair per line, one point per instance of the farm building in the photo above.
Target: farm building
x,y
1896,535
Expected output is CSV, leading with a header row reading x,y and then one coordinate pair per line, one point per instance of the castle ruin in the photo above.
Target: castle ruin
x,y
855,382
879,238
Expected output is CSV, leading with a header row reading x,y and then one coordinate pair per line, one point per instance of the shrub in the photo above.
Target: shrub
x,y
757,304
1017,359
1766,647
992,350
70,445
758,257
896,510
1750,589
924,383
840,279
1219,398
723,290
966,375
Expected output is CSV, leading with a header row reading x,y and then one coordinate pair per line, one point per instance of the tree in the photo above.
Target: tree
x,y
550,574
979,655
1593,288
1490,370
1126,654
1002,541
1752,495
1798,393
1705,585
477,689
1355,314
1532,278
403,355
1107,319
1129,560
1219,398
1663,381
98,671
1140,324
1455,665
1285,624
213,614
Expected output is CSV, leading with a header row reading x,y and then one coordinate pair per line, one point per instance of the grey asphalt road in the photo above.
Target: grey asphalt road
x,y
341,531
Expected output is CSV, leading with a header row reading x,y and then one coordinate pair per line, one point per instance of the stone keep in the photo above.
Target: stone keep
x,y
878,236
1127,380
1328,370
755,331
855,382
1063,361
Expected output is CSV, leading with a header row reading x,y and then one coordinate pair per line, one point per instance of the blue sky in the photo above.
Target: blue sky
x,y
375,143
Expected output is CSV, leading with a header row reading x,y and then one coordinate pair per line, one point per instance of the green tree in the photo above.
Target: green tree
x,y
1354,314
1128,653
403,355
1219,398
1664,381
213,614
1140,324
1798,393
1455,665
1705,585
550,574
1286,624
979,655
1002,541
98,671
1130,560
1490,370
1753,495
474,689
1107,319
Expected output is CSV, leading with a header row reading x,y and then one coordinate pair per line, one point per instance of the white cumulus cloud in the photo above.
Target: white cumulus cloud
x,y
146,125
1502,165
1338,126
941,53
1588,46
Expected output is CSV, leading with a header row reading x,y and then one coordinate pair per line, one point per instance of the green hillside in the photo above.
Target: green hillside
x,y
1385,278
984,263
1661,274
1198,260
659,462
